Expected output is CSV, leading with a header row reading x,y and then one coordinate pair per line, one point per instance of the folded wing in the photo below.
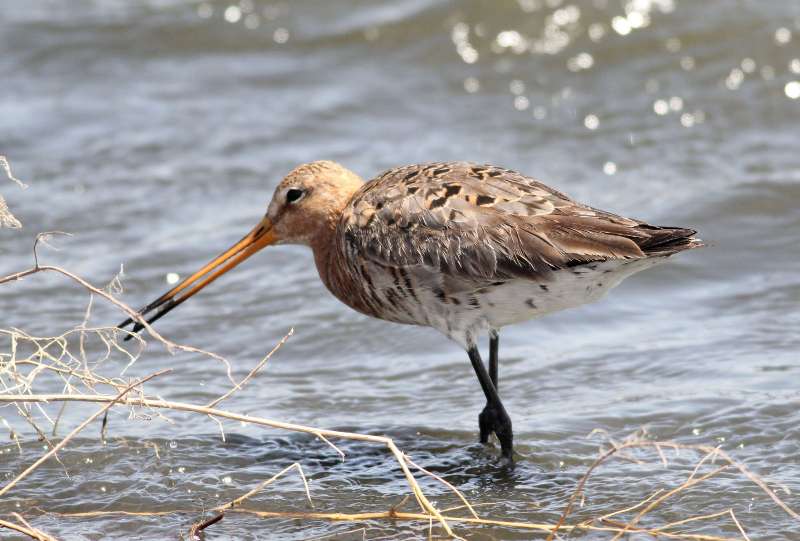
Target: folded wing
x,y
482,222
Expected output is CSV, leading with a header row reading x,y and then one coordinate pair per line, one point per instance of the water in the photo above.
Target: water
x,y
154,132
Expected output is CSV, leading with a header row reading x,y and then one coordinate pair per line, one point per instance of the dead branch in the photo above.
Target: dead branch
x,y
77,429
170,345
6,218
691,481
200,526
26,529
253,372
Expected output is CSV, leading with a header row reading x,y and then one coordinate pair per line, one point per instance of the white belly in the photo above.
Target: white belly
x,y
521,300
463,310
515,301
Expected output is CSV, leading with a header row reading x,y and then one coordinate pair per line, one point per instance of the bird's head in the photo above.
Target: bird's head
x,y
308,201
306,204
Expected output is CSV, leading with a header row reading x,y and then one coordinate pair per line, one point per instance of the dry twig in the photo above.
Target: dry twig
x,y
77,429
6,218
26,529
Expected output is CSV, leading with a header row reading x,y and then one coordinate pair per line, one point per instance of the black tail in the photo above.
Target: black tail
x,y
667,240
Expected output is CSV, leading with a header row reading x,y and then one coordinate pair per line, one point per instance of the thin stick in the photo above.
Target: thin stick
x,y
445,483
53,450
200,526
31,532
7,168
655,503
579,489
692,519
632,507
738,525
253,372
233,503
326,440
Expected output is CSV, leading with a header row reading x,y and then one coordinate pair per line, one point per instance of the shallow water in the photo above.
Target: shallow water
x,y
154,132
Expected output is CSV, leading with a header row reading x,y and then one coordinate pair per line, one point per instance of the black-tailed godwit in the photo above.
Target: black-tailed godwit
x,y
463,248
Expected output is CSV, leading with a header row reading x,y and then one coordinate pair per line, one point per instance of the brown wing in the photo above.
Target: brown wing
x,y
485,222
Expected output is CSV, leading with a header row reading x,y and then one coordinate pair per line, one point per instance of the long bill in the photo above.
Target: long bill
x,y
260,237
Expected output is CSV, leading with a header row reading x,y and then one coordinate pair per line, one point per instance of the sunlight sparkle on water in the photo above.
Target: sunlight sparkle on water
x,y
637,19
734,79
596,31
566,15
582,61
783,36
233,14
511,39
621,25
792,89
460,37
676,103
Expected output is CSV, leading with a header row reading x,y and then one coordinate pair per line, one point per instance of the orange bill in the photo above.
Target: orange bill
x,y
260,237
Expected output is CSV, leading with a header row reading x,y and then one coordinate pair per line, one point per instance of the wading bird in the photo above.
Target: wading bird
x,y
463,248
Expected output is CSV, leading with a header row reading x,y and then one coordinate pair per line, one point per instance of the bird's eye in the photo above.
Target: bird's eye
x,y
294,194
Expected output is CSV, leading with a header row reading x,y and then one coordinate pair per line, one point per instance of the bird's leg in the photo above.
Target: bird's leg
x,y
485,419
494,348
494,417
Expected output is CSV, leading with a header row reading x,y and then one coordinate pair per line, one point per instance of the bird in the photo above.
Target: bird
x,y
461,247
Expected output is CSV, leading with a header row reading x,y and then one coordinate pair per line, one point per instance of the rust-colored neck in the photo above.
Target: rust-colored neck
x,y
324,246
335,271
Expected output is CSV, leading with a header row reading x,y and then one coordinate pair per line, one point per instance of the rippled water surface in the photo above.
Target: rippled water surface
x,y
155,131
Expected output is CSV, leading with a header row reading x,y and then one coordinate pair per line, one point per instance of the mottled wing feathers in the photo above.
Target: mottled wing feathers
x,y
486,222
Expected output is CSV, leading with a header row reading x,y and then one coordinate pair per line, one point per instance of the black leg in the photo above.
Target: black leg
x,y
494,417
485,418
494,347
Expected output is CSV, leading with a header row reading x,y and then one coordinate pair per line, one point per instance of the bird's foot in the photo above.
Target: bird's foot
x,y
494,419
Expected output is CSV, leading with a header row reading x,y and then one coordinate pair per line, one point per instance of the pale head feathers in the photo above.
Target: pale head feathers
x,y
309,200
